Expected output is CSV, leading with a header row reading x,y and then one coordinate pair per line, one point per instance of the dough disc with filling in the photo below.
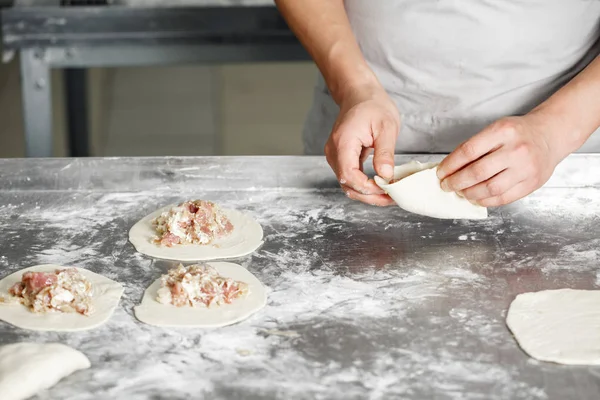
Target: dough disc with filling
x,y
105,299
152,312
561,326
28,368
419,192
246,237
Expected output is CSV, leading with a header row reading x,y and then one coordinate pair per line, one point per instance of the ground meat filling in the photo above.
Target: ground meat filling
x,y
63,291
198,285
192,222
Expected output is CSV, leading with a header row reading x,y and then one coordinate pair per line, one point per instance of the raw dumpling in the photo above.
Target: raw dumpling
x,y
416,188
152,312
105,298
246,237
28,368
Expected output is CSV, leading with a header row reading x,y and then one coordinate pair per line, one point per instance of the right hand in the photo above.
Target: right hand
x,y
368,120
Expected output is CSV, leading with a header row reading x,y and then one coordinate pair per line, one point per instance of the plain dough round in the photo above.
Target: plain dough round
x,y
152,312
561,326
28,368
246,237
419,192
105,299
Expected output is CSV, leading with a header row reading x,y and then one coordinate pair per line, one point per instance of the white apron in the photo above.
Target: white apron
x,y
454,66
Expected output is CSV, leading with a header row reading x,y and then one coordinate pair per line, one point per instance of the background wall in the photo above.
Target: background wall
x,y
190,110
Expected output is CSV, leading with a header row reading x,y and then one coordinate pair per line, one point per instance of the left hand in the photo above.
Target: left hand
x,y
503,163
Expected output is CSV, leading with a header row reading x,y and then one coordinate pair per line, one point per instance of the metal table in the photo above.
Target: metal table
x,y
73,35
363,302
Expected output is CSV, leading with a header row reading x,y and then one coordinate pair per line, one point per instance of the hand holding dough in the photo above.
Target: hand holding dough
x,y
417,189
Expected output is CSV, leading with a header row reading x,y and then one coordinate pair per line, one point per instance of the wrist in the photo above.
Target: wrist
x,y
360,91
562,134
355,85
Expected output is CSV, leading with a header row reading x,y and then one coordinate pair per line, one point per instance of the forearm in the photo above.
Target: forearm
x,y
572,114
323,28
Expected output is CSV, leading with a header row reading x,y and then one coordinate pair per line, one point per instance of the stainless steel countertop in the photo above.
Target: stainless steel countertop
x,y
363,302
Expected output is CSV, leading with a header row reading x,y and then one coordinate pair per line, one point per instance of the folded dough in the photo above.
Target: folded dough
x,y
28,368
418,191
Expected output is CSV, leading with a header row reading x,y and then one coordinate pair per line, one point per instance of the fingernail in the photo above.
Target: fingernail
x,y
343,181
439,173
460,193
347,194
387,171
445,186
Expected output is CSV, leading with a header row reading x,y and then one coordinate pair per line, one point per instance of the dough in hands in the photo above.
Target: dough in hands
x,y
418,191
561,326
106,296
28,368
247,236
152,312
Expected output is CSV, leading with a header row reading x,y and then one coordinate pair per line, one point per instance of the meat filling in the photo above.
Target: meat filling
x,y
192,222
63,291
198,285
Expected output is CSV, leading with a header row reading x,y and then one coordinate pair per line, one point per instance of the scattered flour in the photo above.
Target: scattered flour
x,y
332,324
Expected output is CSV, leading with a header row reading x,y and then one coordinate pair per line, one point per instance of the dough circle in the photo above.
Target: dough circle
x,y
246,237
419,192
152,312
28,368
105,299
561,326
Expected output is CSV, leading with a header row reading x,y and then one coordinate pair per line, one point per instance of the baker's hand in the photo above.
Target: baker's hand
x,y
368,120
505,162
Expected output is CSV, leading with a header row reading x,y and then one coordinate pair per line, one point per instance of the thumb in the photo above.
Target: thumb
x,y
385,134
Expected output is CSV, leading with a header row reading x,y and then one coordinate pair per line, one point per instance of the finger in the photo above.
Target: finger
x,y
495,186
385,133
471,150
349,169
477,172
366,152
380,200
513,194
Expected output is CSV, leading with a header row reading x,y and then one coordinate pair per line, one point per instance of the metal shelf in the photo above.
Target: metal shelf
x,y
48,35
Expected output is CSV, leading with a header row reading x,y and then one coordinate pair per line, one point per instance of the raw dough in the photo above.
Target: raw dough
x,y
152,312
246,237
419,192
28,368
106,298
561,326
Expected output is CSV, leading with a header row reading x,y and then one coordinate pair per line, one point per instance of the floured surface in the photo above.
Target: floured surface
x,y
104,300
28,368
561,326
363,302
246,237
152,312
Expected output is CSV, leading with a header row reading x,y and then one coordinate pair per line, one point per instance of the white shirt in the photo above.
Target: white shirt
x,y
454,66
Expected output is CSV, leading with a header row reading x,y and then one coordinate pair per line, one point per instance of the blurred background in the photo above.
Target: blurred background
x,y
223,107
